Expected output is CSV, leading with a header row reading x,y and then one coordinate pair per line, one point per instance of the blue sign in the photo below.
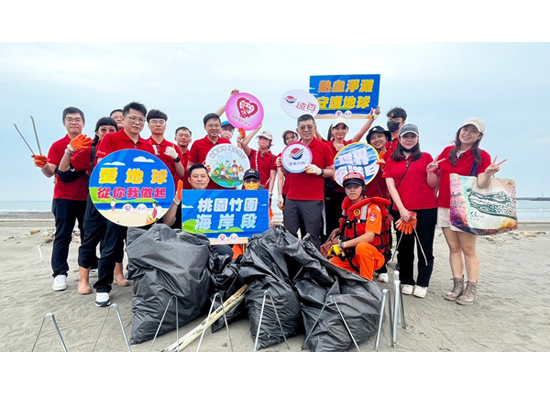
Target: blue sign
x,y
131,187
226,215
359,157
345,96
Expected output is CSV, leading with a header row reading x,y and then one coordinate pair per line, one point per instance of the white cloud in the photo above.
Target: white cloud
x,y
115,164
143,159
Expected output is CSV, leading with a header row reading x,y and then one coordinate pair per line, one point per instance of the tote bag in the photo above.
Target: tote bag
x,y
485,211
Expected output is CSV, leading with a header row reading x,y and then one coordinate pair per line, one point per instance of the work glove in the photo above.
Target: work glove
x,y
79,142
171,152
40,160
312,169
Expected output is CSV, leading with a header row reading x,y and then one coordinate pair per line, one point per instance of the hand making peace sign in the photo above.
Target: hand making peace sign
x,y
433,166
494,167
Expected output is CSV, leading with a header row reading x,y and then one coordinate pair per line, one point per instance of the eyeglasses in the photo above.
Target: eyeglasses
x,y
136,119
157,121
306,127
71,120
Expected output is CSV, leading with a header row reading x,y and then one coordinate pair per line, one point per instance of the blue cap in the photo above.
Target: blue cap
x,y
225,123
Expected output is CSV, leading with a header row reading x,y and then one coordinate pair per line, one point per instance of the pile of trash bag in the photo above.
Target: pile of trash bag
x,y
163,262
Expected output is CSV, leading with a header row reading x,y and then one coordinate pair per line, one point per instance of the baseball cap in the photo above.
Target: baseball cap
x,y
338,121
478,123
353,178
251,173
266,134
378,129
408,128
227,123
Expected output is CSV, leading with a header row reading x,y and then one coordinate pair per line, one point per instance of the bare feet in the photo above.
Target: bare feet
x,y
119,276
84,282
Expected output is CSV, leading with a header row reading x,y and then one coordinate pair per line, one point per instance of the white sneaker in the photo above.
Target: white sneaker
x,y
93,272
383,278
102,299
420,291
60,283
407,289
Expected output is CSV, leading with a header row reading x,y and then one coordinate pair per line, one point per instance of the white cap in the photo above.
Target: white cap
x,y
266,134
338,121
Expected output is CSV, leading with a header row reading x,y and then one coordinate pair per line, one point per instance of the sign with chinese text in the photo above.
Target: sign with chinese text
x,y
297,102
131,187
244,111
227,164
295,157
359,157
225,215
345,96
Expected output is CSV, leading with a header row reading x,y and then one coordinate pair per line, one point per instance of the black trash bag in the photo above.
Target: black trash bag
x,y
357,298
264,267
226,283
163,262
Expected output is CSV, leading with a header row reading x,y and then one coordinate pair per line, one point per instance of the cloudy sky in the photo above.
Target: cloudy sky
x,y
439,84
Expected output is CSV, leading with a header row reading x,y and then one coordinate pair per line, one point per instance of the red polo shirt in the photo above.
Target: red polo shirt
x,y
168,160
413,188
81,160
391,146
184,162
74,190
463,167
200,149
334,152
117,141
304,186
378,186
264,163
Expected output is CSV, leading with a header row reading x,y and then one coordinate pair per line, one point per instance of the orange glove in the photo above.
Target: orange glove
x,y
381,163
242,132
79,142
180,188
40,160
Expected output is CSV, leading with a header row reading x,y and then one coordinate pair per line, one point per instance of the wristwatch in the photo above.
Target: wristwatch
x,y
322,172
177,159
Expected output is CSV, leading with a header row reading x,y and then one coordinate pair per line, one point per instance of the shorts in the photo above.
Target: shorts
x,y
444,219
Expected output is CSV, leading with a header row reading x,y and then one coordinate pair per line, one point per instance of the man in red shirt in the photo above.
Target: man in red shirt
x,y
69,197
128,138
166,151
183,139
201,147
304,202
262,159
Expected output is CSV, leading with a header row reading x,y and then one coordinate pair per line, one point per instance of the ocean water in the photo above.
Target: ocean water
x,y
527,210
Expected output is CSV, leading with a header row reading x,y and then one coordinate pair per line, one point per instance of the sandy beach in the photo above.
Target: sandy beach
x,y
511,314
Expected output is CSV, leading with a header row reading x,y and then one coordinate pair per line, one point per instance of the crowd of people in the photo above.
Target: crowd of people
x,y
350,223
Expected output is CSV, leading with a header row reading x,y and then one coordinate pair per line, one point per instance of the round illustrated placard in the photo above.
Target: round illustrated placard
x,y
244,111
227,165
297,102
132,188
359,157
295,157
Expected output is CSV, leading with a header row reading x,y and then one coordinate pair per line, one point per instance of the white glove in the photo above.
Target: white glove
x,y
312,169
171,152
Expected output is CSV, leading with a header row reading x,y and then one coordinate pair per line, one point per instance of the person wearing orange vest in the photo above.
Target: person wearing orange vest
x,y
360,224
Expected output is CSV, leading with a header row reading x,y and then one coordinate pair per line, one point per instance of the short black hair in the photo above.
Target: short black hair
x,y
156,114
73,110
397,112
134,106
183,128
210,116
117,110
105,121
305,117
195,167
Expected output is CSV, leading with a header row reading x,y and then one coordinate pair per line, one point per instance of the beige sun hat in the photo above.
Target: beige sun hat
x,y
478,123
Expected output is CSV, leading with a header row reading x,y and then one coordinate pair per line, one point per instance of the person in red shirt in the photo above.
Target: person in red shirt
x,y
127,138
201,147
412,189
304,203
262,159
464,158
166,151
289,136
396,119
118,117
183,138
360,223
69,196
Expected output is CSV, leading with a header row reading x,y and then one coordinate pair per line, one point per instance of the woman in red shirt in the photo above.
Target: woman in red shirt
x,y
412,189
465,158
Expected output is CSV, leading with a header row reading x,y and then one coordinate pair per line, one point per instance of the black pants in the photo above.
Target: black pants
x,y
94,230
66,212
425,227
304,214
333,209
113,250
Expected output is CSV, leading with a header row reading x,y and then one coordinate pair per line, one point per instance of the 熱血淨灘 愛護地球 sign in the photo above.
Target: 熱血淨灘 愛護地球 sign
x,y
346,96
225,215
131,187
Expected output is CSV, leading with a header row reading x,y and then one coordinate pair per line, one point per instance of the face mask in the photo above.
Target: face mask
x,y
393,126
251,186
408,150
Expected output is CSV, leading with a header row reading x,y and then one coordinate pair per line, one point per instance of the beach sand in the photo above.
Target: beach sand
x,y
511,314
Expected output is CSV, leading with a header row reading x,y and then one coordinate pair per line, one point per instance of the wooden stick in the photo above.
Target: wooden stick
x,y
194,333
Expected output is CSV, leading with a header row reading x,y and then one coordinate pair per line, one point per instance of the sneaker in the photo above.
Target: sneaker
x,y
60,283
420,292
93,272
383,278
102,299
407,289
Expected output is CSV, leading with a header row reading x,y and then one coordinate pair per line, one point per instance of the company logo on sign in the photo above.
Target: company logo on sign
x,y
295,157
296,153
290,99
246,108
